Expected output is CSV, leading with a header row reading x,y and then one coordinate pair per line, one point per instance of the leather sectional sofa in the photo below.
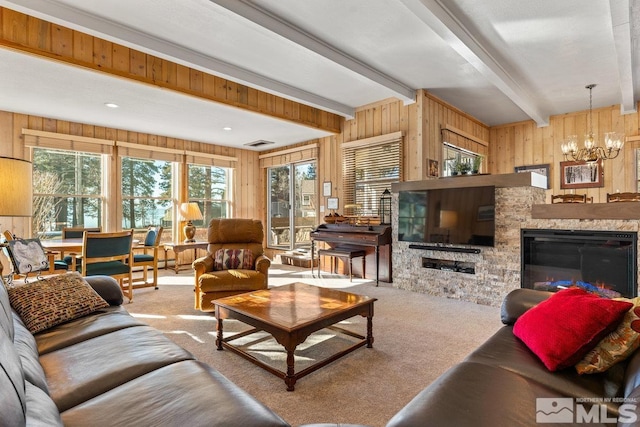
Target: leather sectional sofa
x,y
498,384
109,369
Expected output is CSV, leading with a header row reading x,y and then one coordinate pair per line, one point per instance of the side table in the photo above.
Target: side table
x,y
179,247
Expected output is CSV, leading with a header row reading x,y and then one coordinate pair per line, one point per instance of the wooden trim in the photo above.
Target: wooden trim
x,y
148,147
374,140
39,40
66,137
525,179
620,210
288,151
211,156
464,134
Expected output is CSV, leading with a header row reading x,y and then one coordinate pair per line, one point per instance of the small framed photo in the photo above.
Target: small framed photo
x,y
581,174
432,168
326,189
332,203
540,169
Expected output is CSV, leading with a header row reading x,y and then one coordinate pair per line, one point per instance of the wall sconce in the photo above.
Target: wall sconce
x,y
384,208
190,212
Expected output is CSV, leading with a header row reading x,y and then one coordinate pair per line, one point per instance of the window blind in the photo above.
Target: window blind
x,y
369,168
288,156
205,159
59,141
139,151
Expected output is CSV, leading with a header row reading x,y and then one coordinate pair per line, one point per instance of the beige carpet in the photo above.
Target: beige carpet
x,y
417,337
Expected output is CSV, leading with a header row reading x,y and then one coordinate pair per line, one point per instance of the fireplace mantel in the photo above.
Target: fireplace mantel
x,y
620,210
525,179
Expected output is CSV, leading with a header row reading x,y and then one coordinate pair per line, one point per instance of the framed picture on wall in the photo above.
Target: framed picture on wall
x,y
332,203
581,174
540,169
326,189
432,168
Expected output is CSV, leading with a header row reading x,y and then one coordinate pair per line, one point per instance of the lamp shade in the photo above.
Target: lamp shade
x,y
16,187
190,211
448,219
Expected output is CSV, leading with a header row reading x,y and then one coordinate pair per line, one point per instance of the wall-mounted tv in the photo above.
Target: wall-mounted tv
x,y
457,216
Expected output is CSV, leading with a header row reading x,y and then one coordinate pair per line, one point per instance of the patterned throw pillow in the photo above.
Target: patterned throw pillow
x,y
615,347
45,303
233,259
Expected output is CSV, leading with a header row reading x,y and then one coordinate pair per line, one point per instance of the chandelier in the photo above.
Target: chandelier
x,y
613,142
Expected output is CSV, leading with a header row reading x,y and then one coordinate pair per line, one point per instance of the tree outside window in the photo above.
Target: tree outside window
x,y
209,187
67,189
146,194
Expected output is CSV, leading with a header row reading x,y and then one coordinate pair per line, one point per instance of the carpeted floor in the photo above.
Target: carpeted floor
x,y
417,337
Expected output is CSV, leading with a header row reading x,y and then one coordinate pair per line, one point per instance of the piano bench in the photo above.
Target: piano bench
x,y
344,254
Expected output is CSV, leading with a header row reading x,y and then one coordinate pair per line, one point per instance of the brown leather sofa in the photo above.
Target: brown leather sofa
x,y
498,383
109,369
213,282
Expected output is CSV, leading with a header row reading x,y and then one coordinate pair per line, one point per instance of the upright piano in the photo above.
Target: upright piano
x,y
375,239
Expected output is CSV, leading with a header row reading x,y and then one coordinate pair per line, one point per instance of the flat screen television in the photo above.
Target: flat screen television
x,y
456,216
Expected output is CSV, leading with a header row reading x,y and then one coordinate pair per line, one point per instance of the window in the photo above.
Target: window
x,y
457,161
210,187
369,169
461,152
146,193
291,214
67,191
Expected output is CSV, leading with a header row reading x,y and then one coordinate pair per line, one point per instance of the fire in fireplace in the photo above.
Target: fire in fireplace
x,y
604,260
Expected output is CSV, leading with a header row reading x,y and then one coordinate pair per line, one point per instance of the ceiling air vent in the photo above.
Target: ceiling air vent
x,y
259,143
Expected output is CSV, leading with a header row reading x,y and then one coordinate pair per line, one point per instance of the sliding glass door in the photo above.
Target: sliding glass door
x,y
292,205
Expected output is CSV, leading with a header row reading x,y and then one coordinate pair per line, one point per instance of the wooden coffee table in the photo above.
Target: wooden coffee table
x,y
291,313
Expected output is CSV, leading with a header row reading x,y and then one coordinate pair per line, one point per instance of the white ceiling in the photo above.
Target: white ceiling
x,y
501,61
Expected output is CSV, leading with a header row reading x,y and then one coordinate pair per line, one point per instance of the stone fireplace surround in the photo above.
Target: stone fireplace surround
x,y
520,203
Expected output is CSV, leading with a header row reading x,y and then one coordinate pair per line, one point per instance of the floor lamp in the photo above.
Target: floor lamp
x,y
16,189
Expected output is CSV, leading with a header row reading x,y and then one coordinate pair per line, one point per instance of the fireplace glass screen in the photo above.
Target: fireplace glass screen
x,y
603,261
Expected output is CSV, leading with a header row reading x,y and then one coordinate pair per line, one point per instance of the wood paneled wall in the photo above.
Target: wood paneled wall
x,y
420,123
248,197
437,114
524,143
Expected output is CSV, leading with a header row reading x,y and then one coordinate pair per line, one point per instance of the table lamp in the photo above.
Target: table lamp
x,y
190,212
16,189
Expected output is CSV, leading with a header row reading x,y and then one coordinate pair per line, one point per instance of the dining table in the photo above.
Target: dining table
x,y
63,245
69,245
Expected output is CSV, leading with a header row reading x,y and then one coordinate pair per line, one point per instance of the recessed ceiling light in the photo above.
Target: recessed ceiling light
x,y
111,105
227,128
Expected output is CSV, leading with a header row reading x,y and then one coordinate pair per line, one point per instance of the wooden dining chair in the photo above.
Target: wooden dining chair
x,y
78,232
146,256
571,198
623,197
107,254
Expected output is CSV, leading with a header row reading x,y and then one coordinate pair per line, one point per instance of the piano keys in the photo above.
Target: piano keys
x,y
374,239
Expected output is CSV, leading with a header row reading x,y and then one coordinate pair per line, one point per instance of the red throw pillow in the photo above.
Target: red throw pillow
x,y
562,329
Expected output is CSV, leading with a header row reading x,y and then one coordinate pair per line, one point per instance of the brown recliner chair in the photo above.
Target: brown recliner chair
x,y
228,268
